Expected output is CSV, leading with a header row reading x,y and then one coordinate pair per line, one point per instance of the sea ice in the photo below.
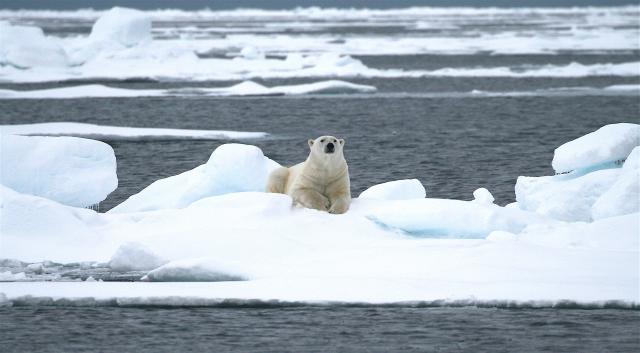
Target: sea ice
x,y
449,218
122,133
610,143
73,171
127,27
405,189
193,270
135,257
231,168
623,197
26,46
567,197
482,195
381,251
246,88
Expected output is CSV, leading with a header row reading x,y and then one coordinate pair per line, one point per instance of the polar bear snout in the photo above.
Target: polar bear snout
x,y
329,148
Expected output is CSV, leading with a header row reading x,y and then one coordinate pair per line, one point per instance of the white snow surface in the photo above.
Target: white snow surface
x,y
121,132
230,168
256,246
608,144
246,88
73,171
482,195
405,189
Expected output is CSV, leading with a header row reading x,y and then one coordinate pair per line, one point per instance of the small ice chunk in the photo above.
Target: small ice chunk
x,y
11,277
231,168
405,189
250,52
90,279
135,257
610,143
125,26
73,171
193,270
483,195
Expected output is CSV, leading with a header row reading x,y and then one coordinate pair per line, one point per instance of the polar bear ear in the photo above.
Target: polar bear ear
x,y
341,141
310,142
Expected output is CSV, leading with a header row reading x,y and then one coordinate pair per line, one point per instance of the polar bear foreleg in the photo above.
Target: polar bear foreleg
x,y
310,198
340,204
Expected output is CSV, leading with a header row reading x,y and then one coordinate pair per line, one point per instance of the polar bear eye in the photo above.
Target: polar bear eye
x,y
322,141
335,141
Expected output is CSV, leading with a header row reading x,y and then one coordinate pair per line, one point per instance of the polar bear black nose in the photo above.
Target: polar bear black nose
x,y
330,147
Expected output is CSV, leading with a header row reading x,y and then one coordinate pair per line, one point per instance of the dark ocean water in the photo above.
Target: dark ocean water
x,y
317,329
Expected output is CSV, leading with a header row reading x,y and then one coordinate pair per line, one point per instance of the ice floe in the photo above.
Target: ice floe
x,y
246,88
121,132
135,257
73,171
214,223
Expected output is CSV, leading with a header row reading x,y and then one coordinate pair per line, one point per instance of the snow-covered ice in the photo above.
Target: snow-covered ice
x,y
215,223
230,168
597,187
610,143
73,171
127,27
246,88
26,46
121,132
123,43
405,189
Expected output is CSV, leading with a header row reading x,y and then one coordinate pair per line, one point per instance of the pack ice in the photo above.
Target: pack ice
x,y
570,238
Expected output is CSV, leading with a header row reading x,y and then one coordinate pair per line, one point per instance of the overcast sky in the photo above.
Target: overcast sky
x,y
284,4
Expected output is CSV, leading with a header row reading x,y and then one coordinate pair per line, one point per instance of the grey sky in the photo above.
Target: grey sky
x,y
284,4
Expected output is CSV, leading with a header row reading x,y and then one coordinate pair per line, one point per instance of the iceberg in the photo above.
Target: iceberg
x,y
111,133
230,168
608,144
73,171
405,189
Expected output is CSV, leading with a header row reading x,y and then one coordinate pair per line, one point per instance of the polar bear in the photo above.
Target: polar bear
x,y
321,182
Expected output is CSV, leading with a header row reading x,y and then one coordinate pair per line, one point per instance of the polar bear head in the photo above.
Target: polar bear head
x,y
327,147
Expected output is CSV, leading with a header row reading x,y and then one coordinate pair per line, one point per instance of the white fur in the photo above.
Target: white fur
x,y
320,182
